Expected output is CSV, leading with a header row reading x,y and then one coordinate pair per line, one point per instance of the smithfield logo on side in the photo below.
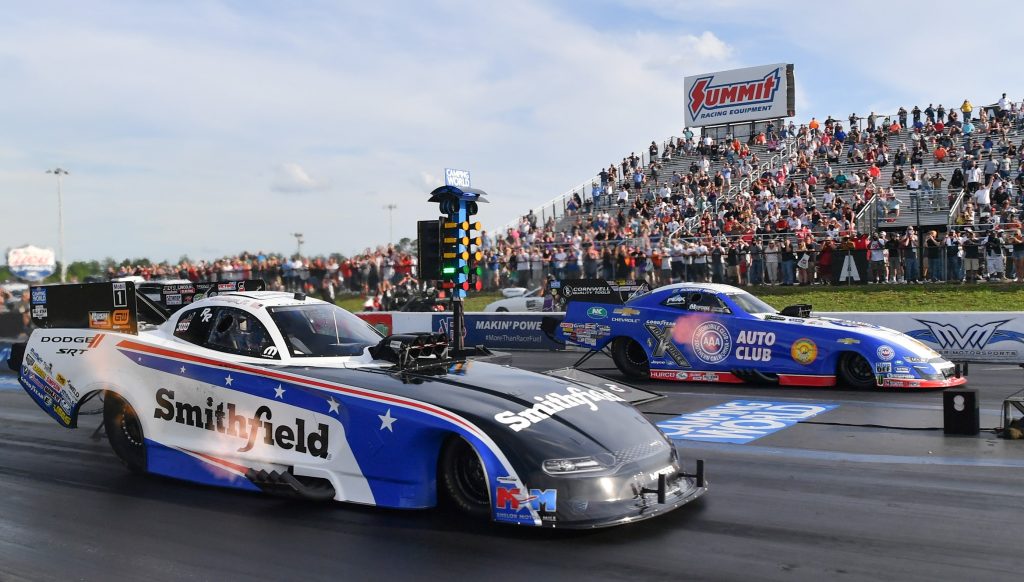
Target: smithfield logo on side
x,y
597,313
553,403
222,418
712,342
707,97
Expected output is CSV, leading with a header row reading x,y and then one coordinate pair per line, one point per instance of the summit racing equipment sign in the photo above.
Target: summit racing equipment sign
x,y
765,92
739,421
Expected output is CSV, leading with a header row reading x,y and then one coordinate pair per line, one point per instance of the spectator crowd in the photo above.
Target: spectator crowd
x,y
778,208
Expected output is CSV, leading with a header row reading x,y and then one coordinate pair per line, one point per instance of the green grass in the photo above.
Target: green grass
x,y
967,297
475,302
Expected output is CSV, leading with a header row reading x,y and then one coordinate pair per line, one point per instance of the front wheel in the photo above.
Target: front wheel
x,y
463,479
856,371
630,358
501,310
124,431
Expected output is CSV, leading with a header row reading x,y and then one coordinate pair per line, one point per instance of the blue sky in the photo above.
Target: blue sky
x,y
209,127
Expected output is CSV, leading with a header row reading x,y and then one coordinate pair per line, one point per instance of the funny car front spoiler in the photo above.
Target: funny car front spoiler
x,y
662,495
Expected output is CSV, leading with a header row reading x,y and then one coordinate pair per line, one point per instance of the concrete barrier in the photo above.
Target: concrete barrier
x,y
962,336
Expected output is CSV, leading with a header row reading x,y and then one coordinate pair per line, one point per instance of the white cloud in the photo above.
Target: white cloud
x,y
293,178
370,97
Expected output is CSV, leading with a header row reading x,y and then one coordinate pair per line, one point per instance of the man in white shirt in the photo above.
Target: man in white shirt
x,y
622,196
700,262
828,197
982,198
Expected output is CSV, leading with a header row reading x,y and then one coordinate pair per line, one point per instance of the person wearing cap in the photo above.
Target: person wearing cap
x,y
876,255
911,265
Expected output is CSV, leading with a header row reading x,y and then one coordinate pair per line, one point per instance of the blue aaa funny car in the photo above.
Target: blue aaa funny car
x,y
695,332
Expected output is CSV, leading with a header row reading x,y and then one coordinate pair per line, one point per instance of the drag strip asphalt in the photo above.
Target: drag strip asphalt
x,y
835,497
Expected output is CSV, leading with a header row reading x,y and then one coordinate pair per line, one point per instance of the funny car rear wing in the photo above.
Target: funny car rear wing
x,y
106,306
598,290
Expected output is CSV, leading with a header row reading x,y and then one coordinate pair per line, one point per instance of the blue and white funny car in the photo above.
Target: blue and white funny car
x,y
717,333
278,392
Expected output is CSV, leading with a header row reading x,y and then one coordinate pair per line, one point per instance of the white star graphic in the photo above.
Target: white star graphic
x,y
333,404
183,369
386,420
279,392
229,380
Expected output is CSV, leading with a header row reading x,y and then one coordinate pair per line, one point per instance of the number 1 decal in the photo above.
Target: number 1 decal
x,y
120,295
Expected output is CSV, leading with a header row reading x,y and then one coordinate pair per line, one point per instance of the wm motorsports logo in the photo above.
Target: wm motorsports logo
x,y
712,342
223,419
971,340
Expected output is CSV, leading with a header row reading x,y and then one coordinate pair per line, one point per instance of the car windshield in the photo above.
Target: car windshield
x,y
751,304
322,330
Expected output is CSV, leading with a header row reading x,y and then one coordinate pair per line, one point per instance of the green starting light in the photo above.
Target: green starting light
x,y
448,270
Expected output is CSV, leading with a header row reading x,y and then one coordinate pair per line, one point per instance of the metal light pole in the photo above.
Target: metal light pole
x,y
391,211
60,173
298,241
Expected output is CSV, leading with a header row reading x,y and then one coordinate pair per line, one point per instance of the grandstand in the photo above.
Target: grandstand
x,y
805,159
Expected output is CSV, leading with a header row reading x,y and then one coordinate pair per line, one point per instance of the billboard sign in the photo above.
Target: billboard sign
x,y
960,336
31,263
457,178
737,95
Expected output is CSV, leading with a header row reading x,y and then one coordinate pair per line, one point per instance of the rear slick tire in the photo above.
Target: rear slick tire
x,y
124,431
630,358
